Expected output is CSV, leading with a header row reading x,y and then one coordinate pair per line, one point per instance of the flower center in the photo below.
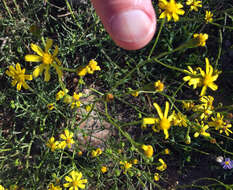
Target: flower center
x,y
47,58
75,183
20,77
164,124
227,162
219,122
207,80
68,140
171,7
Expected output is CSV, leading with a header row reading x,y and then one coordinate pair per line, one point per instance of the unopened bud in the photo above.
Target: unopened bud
x,y
219,159
109,97
188,140
213,141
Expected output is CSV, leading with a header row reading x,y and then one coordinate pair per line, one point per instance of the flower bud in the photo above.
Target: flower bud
x,y
188,140
109,97
219,159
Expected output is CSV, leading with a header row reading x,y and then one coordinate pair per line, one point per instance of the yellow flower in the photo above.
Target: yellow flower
x,y
92,66
135,93
148,150
217,122
201,130
125,166
201,39
75,101
159,86
171,9
68,138
163,165
208,78
80,153
165,120
75,182
188,105
60,94
15,187
167,151
52,144
156,177
104,169
208,16
52,187
82,71
96,152
88,108
179,119
193,77
18,76
134,161
2,188
50,106
206,108
220,125
46,58
194,4
208,101
226,129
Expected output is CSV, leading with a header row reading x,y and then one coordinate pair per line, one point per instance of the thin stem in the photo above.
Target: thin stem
x,y
222,149
72,13
68,69
125,134
219,49
157,38
169,66
7,9
221,26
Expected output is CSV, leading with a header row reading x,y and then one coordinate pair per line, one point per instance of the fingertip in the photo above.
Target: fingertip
x,y
130,23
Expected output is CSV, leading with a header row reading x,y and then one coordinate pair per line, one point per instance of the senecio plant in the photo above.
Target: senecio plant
x,y
167,121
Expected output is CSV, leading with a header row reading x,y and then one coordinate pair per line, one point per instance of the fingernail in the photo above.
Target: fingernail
x,y
131,26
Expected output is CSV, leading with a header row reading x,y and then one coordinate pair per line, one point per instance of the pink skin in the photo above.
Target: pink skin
x,y
130,23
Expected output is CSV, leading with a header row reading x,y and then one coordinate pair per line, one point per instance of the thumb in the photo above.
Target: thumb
x,y
130,23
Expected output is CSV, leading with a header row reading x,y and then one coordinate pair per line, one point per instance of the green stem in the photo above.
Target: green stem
x,y
219,50
7,9
153,59
68,69
169,66
72,13
222,149
157,38
125,134
210,179
96,91
188,147
221,26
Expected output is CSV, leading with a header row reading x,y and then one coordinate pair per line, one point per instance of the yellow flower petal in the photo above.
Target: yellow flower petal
x,y
37,49
46,73
33,58
48,45
19,86
63,136
158,110
36,72
67,133
213,86
55,51
67,178
166,109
